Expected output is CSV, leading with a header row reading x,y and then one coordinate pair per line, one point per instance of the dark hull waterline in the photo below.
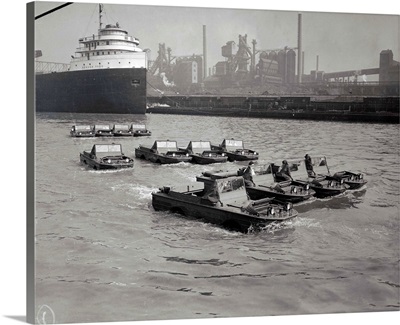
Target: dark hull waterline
x,y
113,91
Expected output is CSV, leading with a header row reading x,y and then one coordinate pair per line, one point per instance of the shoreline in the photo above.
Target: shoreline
x,y
356,109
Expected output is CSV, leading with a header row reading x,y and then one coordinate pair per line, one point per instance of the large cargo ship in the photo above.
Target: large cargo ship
x,y
107,74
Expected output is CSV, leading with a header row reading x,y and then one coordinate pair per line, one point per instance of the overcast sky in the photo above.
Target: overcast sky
x,y
343,41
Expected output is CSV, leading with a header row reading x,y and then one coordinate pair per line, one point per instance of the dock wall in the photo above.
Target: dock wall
x,y
352,109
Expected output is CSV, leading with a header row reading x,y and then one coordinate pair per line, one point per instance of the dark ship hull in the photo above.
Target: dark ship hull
x,y
112,91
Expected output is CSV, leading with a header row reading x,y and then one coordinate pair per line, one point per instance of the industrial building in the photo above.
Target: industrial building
x,y
178,72
188,71
272,71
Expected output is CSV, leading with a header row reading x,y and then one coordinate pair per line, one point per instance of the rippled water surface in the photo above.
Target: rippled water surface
x,y
104,254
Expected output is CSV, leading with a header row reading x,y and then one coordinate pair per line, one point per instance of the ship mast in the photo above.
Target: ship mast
x,y
100,15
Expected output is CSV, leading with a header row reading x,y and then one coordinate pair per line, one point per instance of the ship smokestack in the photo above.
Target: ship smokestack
x,y
204,53
299,49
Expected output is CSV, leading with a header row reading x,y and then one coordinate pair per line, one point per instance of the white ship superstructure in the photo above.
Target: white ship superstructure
x,y
111,48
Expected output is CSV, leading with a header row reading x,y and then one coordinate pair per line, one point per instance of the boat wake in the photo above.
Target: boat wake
x,y
289,225
304,222
109,171
139,191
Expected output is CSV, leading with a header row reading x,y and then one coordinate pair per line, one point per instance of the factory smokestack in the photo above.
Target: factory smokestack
x,y
299,50
204,53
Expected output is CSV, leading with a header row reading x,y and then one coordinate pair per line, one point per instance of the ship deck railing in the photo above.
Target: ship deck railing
x,y
42,67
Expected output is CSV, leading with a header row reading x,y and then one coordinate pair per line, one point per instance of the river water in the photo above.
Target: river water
x,y
104,254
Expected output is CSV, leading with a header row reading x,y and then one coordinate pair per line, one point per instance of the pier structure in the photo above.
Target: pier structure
x,y
328,108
